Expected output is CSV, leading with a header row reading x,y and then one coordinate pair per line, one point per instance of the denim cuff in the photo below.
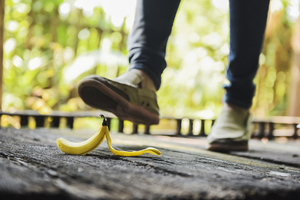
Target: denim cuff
x,y
246,104
156,80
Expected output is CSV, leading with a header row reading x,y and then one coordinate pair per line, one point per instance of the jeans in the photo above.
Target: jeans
x,y
152,27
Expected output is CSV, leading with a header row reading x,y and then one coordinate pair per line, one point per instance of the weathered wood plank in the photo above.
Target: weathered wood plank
x,y
33,167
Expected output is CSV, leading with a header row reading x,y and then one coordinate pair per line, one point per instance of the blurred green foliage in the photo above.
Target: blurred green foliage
x,y
51,45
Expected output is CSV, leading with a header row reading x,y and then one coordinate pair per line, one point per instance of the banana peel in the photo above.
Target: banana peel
x,y
85,147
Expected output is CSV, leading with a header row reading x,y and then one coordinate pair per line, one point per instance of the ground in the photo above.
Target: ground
x,y
32,167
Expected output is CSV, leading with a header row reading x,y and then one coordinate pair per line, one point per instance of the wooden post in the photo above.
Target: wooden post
x,y
135,128
191,127
39,121
147,130
178,128
2,9
295,135
24,121
70,122
261,129
55,122
202,130
271,130
121,126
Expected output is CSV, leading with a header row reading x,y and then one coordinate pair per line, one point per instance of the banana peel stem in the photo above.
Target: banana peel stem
x,y
85,147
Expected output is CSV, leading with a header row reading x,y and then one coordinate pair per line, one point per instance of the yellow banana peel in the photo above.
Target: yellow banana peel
x,y
82,148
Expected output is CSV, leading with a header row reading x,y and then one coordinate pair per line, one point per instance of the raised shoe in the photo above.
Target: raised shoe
x,y
123,96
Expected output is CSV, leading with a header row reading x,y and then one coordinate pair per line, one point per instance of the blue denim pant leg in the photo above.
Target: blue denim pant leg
x,y
247,27
148,39
152,27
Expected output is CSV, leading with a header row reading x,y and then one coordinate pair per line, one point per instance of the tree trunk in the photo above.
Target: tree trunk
x,y
294,104
2,9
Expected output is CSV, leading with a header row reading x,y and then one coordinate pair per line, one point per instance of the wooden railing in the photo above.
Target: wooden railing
x,y
268,123
265,127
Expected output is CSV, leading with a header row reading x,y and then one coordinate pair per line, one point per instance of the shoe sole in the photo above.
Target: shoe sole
x,y
227,147
103,96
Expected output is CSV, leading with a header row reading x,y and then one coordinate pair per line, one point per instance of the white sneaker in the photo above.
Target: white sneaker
x,y
230,132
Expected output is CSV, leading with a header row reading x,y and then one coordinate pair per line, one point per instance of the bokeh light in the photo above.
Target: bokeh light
x,y
50,46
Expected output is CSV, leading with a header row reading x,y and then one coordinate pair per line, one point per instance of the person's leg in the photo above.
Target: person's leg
x,y
148,38
132,96
247,26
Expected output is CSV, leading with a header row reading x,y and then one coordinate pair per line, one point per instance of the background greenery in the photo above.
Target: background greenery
x,y
51,45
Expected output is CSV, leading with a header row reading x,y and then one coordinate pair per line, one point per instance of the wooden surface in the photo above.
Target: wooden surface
x,y
32,167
